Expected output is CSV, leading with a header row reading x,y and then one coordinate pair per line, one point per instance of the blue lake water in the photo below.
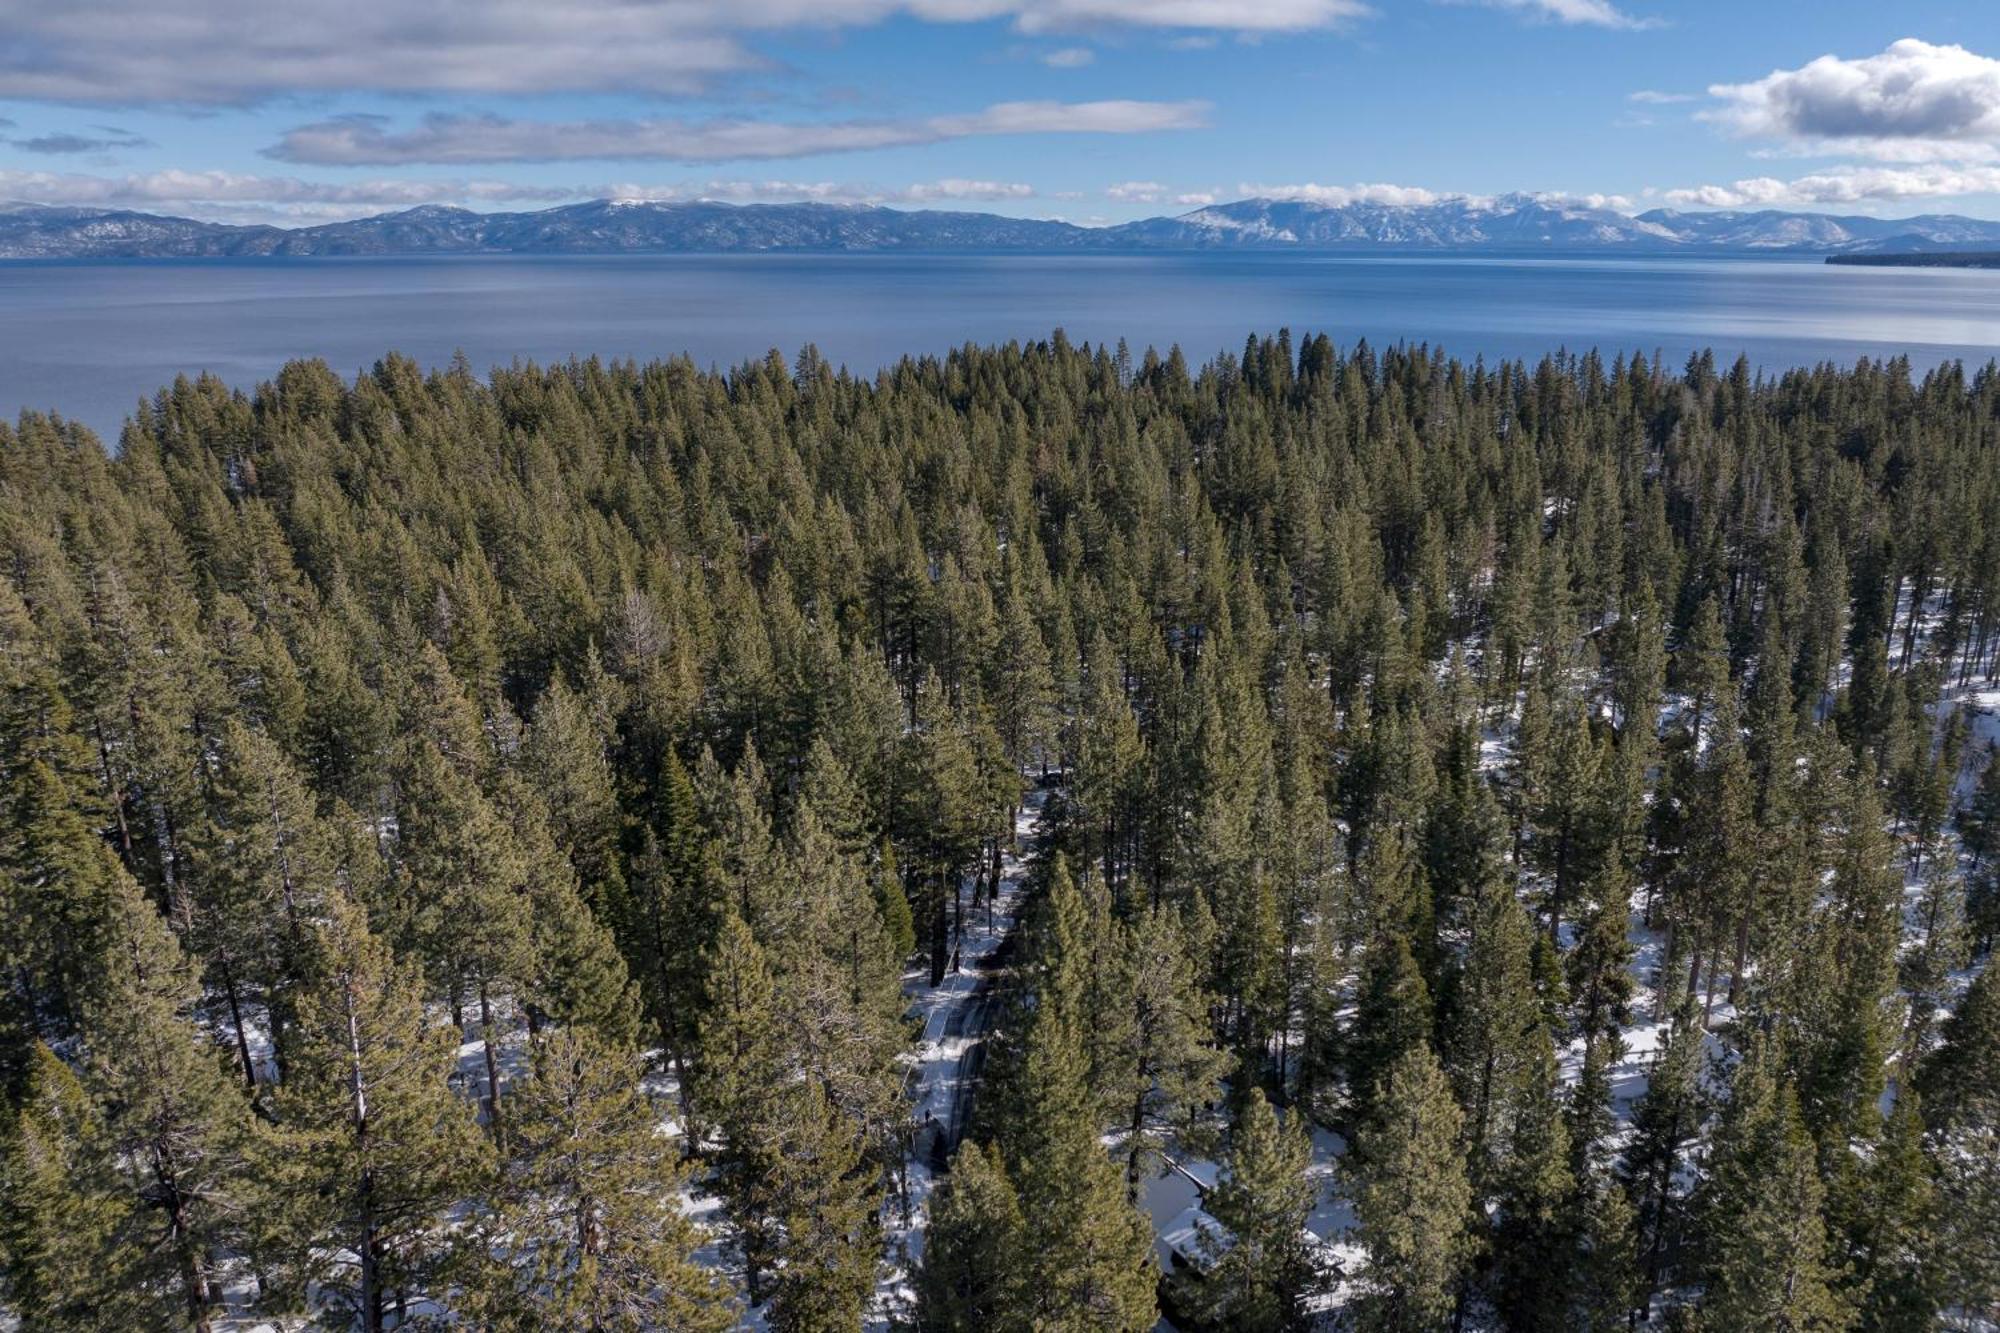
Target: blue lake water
x,y
90,339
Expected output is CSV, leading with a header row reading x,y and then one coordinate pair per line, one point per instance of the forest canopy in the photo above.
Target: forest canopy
x,y
472,847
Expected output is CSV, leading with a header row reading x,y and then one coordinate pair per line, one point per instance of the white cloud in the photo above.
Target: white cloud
x,y
1198,198
1069,57
439,138
1225,15
1581,13
1411,196
1342,195
822,192
231,196
1651,97
1912,102
1845,185
222,52
966,190
102,139
1617,203
182,187
1136,192
239,197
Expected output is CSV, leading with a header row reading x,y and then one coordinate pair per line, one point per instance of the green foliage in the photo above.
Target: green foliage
x,y
1766,1263
372,1148
596,707
1088,1263
1259,1268
585,1228
64,1211
1412,1202
973,1265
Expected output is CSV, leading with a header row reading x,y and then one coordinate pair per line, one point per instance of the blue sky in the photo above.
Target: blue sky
x,y
1092,110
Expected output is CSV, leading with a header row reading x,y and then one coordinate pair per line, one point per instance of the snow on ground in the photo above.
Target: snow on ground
x,y
1173,1197
944,1061
1332,1219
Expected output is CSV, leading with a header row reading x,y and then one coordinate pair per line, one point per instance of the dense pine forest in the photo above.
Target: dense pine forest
x,y
482,853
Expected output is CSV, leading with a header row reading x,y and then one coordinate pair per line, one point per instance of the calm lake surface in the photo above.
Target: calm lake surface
x,y
90,339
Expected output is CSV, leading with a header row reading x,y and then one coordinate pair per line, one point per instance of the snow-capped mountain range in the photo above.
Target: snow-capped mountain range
x,y
1506,224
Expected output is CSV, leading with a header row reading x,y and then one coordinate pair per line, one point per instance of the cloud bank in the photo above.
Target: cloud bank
x,y
1341,195
1912,101
1927,115
102,139
158,188
1844,185
230,196
457,140
234,52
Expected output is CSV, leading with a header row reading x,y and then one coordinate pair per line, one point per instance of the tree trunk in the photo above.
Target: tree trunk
x,y
940,932
236,1020
492,1063
1742,956
194,1270
1137,1151
370,1244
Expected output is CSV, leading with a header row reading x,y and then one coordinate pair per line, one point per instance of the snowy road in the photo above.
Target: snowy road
x,y
945,1065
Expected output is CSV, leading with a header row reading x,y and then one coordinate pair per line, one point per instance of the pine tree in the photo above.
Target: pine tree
x,y
1887,1211
586,1229
1260,1268
461,883
1665,1121
1940,946
1766,1260
265,862
1961,1079
1392,1017
892,904
842,1005
1412,1202
66,1212
172,1112
1969,1207
1599,967
739,1068
1701,665
670,912
1019,681
1495,1042
373,1147
1539,1272
575,972
1851,1013
566,759
1979,818
1107,752
1168,1067
1961,1100
1569,845
975,1260
824,1204
1090,1263
836,801
60,886
942,817
1606,1285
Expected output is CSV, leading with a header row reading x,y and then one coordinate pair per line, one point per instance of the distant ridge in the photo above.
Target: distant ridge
x,y
1510,223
